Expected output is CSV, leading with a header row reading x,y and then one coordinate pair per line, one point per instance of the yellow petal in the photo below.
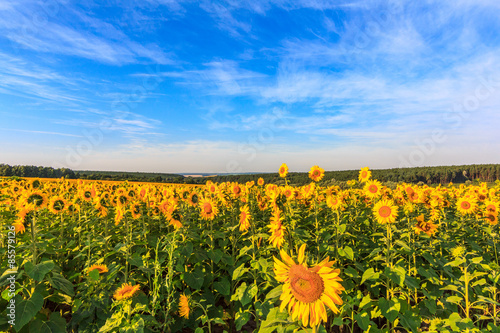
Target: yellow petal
x,y
329,302
305,314
302,251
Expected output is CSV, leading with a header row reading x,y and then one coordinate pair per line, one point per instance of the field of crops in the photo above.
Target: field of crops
x,y
137,257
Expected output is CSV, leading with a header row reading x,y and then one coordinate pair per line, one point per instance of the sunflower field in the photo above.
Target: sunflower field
x,y
227,257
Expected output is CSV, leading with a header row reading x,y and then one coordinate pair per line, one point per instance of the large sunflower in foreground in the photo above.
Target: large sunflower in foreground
x,y
385,211
306,290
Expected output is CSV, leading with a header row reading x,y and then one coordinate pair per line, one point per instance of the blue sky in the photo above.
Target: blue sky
x,y
241,86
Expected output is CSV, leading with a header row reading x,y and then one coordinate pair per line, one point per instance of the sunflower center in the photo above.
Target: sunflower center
x,y
363,174
373,188
306,286
316,173
465,205
282,170
207,207
236,190
384,211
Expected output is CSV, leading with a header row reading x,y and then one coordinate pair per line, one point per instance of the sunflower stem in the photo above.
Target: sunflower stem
x,y
33,238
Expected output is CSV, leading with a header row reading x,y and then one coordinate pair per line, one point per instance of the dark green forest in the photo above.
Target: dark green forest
x,y
427,175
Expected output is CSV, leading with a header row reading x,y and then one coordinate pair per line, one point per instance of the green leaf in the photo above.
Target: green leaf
x,y
410,321
194,280
275,293
450,287
241,319
396,274
56,324
238,272
363,320
349,252
215,255
59,282
187,249
369,274
477,260
223,287
454,299
38,272
136,260
27,309
366,300
94,275
198,330
403,245
245,293
390,308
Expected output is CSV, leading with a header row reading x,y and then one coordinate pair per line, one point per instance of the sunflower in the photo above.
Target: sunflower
x,y
193,199
277,229
364,174
283,170
57,205
211,187
135,210
306,290
37,199
184,309
333,201
244,218
428,227
316,173
119,214
19,226
491,219
466,205
491,207
208,209
126,291
236,189
260,181
100,268
373,188
385,211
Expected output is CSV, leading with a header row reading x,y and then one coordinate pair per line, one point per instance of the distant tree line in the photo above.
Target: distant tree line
x,y
35,171
427,175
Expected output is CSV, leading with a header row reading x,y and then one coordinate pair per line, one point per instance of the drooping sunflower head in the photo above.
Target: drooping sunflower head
x,y
126,291
283,171
184,309
100,268
316,173
307,290
364,175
